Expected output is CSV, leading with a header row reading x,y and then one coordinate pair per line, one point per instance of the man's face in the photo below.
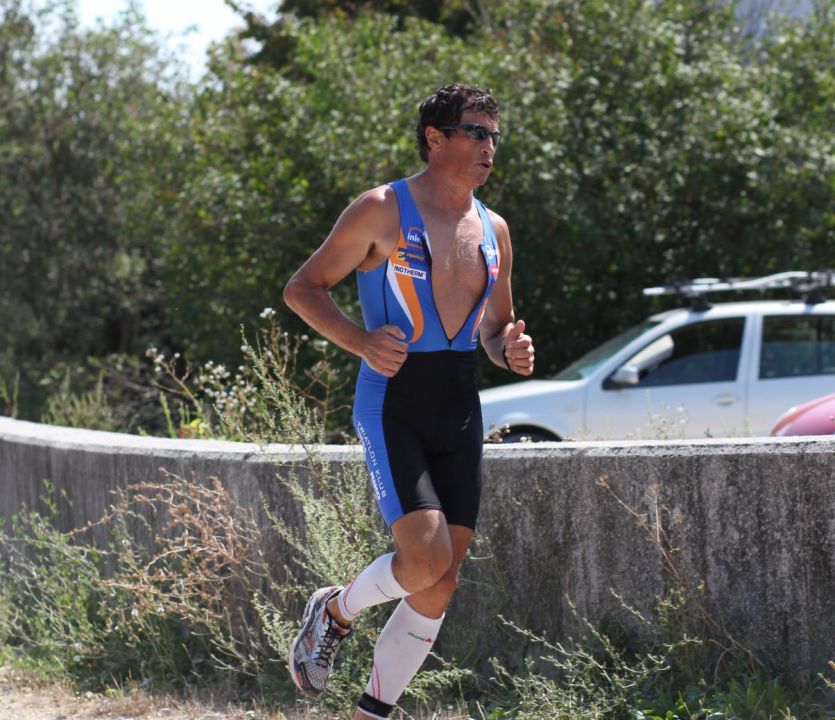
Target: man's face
x,y
470,156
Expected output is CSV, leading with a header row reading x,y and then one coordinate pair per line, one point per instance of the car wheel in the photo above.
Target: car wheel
x,y
528,436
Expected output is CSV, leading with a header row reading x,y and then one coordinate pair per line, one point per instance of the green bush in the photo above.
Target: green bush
x,y
159,601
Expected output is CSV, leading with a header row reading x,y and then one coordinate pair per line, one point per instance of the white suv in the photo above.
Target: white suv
x,y
725,370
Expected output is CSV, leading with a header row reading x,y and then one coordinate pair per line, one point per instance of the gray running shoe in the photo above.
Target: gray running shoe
x,y
314,649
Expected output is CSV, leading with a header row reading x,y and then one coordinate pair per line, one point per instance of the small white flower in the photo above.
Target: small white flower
x,y
267,312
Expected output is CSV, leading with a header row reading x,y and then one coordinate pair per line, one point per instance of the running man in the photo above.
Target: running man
x,y
433,267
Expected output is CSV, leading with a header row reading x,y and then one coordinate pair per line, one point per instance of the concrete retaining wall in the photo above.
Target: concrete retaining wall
x,y
753,519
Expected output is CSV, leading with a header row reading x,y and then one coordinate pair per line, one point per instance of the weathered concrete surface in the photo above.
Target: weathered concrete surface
x,y
753,519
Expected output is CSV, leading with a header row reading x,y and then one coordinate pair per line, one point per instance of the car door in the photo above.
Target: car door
x,y
686,384
795,364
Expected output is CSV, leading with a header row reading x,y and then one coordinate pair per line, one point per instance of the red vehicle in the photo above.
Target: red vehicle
x,y
816,417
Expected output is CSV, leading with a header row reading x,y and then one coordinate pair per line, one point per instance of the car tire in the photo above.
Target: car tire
x,y
521,435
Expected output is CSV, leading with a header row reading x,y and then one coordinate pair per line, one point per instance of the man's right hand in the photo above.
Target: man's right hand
x,y
385,350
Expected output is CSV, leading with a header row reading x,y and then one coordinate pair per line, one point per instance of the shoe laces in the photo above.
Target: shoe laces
x,y
329,645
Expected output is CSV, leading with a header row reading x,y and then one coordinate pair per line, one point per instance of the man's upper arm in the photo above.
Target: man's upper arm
x,y
366,223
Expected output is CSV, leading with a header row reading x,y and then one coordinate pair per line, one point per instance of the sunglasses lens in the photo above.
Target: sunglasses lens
x,y
481,133
476,132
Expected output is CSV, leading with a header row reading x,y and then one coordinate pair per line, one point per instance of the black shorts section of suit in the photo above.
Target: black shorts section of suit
x,y
433,434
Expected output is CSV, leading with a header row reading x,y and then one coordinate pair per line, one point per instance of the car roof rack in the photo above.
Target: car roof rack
x,y
809,284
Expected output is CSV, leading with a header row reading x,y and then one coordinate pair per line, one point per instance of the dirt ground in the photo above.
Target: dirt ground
x,y
23,697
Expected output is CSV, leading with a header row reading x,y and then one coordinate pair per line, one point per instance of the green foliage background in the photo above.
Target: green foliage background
x,y
643,141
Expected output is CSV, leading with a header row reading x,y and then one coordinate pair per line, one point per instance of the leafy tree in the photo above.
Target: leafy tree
x,y
642,141
88,147
645,143
276,37
277,159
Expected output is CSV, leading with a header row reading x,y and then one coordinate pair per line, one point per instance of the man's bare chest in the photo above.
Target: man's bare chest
x,y
455,247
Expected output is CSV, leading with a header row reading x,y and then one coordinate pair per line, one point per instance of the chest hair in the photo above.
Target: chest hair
x,y
458,270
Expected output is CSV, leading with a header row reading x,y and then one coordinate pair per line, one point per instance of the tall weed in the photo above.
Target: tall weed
x,y
49,599
176,583
342,530
9,393
89,409
267,399
690,666
163,600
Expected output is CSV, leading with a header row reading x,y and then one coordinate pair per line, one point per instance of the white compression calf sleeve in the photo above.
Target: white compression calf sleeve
x,y
402,647
373,586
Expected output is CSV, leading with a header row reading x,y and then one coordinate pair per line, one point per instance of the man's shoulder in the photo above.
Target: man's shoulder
x,y
499,224
381,198
374,216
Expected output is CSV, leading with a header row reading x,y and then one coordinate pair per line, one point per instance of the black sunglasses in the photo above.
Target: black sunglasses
x,y
476,132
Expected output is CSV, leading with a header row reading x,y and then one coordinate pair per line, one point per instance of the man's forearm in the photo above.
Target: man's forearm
x,y
494,347
316,307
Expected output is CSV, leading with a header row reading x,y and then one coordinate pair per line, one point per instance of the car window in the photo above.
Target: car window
x,y
794,346
699,353
587,364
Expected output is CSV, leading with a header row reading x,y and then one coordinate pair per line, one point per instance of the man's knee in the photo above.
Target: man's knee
x,y
448,583
426,566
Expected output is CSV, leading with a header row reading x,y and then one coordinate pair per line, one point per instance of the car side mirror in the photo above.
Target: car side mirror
x,y
625,375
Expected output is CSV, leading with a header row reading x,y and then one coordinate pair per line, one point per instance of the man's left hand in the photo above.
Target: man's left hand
x,y
518,349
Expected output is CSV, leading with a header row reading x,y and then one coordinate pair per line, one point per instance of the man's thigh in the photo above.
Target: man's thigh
x,y
456,478
397,464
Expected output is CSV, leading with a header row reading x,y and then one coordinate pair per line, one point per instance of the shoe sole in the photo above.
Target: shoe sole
x,y
299,675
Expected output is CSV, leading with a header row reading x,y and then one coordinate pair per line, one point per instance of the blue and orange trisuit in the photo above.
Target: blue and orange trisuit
x,y
421,429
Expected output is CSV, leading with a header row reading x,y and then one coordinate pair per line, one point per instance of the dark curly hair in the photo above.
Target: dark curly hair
x,y
446,106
